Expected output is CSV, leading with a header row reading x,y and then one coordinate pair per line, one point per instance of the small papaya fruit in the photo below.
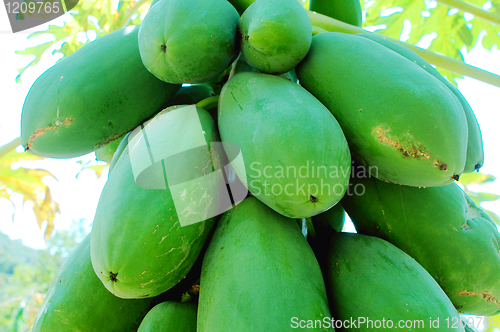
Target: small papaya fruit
x,y
296,158
276,35
475,152
374,286
189,41
258,273
442,229
348,11
90,98
399,120
78,301
170,316
166,173
105,153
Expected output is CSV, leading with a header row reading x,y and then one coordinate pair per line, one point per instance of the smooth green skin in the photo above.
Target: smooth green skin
x,y
276,35
475,153
280,126
369,277
241,65
395,116
106,152
444,230
331,220
77,301
119,150
241,5
200,37
191,94
258,273
348,11
170,316
92,97
136,232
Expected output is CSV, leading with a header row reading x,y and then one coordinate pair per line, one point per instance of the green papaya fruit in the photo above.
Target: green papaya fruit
x,y
90,98
348,11
295,156
330,220
241,5
106,152
276,35
258,274
118,152
374,286
170,316
189,41
241,65
78,301
443,230
475,153
191,94
398,119
166,174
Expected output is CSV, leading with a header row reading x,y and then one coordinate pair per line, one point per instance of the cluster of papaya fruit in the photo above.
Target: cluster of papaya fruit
x,y
312,117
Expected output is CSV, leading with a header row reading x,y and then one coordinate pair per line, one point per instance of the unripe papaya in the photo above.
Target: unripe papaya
x,y
191,94
78,301
189,41
106,152
90,98
276,35
296,158
139,247
170,316
259,273
380,288
441,228
348,11
399,120
475,153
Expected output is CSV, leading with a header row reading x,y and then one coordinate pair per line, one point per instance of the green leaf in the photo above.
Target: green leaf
x,y
37,51
476,178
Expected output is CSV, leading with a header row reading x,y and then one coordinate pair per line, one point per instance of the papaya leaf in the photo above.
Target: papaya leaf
x,y
29,183
83,20
476,178
95,166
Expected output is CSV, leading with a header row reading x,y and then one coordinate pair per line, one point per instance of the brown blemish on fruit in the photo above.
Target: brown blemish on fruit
x,y
246,37
111,139
313,199
440,165
42,131
408,149
485,295
164,48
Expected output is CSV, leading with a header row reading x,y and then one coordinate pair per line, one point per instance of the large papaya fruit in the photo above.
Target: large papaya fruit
x,y
348,11
78,301
189,41
276,35
296,158
441,228
475,153
398,119
374,286
170,316
258,274
90,98
165,174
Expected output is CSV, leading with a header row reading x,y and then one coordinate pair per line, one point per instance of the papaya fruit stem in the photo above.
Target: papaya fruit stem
x,y
332,25
208,103
4,149
472,9
317,30
131,12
